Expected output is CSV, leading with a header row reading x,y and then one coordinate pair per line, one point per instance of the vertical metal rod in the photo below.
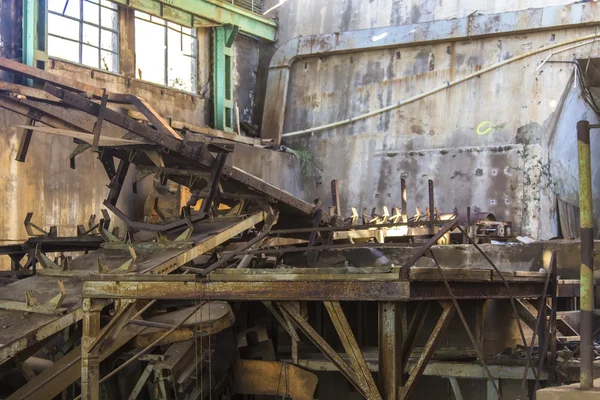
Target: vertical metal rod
x,y
403,194
431,206
335,197
389,349
587,257
465,240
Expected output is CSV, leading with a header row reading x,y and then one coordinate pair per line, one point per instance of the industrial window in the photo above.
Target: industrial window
x,y
85,32
165,53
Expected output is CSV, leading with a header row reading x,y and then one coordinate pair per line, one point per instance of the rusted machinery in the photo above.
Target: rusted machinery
x,y
230,297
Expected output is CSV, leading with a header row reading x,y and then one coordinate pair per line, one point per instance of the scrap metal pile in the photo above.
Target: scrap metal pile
x,y
144,311
233,220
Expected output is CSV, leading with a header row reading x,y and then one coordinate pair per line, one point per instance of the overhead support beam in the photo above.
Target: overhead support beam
x,y
223,37
472,27
195,13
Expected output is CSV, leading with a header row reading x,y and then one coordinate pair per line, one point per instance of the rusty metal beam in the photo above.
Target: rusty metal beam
x,y
390,334
440,326
291,290
321,344
357,360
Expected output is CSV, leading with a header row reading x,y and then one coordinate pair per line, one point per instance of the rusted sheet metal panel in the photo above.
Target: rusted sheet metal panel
x,y
350,291
477,25
273,378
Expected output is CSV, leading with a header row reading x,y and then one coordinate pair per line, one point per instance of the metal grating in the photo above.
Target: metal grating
x,y
256,6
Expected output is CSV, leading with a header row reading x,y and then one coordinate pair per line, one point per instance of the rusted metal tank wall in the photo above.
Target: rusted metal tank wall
x,y
500,171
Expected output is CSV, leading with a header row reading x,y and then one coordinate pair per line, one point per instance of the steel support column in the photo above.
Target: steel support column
x,y
390,335
90,361
587,254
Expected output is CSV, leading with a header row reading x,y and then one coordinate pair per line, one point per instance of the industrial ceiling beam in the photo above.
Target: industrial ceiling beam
x,y
198,12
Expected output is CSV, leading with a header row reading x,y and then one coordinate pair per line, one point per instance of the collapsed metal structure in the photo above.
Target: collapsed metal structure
x,y
166,295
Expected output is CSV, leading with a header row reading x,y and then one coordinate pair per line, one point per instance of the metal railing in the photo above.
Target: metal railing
x,y
256,6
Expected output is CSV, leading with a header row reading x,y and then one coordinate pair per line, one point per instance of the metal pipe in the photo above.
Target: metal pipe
x,y
586,222
445,86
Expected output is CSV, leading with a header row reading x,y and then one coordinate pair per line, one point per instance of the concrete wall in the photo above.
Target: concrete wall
x,y
435,138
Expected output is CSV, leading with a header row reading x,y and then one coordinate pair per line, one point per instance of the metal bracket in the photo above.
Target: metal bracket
x,y
46,262
33,305
81,147
30,226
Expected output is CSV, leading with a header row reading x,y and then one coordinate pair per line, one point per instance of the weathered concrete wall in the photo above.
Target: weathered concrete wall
x,y
168,102
501,171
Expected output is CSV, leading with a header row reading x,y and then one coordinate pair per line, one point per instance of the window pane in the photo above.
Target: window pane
x,y
142,15
109,61
182,68
91,13
108,4
91,35
150,51
62,48
62,26
157,20
110,41
92,1
90,56
108,18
